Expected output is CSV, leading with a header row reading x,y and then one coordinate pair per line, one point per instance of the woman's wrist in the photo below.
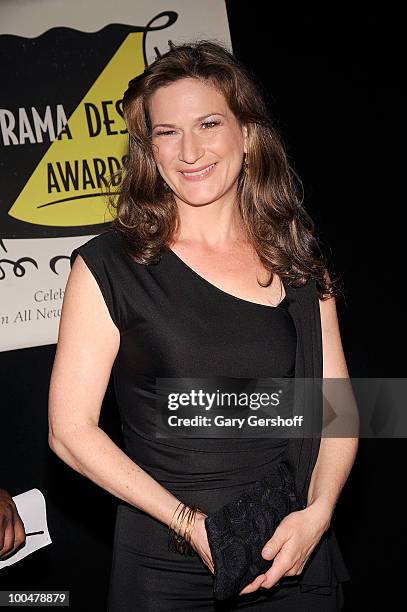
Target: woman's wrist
x,y
199,517
323,510
181,527
198,533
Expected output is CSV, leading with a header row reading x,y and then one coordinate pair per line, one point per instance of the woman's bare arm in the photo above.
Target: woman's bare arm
x,y
336,455
88,343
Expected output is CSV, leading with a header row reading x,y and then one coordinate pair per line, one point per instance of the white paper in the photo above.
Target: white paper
x,y
32,510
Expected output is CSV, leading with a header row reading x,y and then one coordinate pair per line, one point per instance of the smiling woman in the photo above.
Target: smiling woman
x,y
199,133
196,151
210,270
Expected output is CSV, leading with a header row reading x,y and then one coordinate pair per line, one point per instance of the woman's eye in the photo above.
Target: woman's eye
x,y
211,123
208,125
164,133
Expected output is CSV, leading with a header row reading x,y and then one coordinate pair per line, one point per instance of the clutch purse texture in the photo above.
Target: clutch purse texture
x,y
238,531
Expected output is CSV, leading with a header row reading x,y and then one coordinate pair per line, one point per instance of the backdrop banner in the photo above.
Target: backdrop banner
x,y
64,69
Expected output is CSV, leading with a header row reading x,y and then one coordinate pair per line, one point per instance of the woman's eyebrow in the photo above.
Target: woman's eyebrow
x,y
197,119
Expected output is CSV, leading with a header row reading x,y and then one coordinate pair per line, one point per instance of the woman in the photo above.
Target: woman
x,y
208,270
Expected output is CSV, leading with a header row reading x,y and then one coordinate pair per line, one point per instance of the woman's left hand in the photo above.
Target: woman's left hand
x,y
292,543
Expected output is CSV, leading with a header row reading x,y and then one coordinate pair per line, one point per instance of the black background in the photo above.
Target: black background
x,y
333,82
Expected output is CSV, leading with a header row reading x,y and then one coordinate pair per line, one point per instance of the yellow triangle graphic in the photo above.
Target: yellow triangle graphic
x,y
63,190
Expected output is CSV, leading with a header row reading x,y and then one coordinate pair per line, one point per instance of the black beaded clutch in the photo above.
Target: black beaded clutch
x,y
238,531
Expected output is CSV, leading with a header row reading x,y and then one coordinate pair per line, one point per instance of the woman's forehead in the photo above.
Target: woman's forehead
x,y
187,96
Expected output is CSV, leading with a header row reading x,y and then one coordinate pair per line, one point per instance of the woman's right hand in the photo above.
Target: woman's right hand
x,y
199,541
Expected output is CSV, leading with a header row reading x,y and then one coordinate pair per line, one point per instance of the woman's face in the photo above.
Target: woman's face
x,y
192,129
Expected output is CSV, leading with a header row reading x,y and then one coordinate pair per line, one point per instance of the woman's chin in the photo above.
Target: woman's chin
x,y
198,199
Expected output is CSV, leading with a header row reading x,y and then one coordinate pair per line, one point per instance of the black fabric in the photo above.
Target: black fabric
x,y
173,323
238,531
326,567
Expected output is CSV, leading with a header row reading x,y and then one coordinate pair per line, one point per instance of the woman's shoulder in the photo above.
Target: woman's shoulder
x,y
107,239
303,293
101,254
106,244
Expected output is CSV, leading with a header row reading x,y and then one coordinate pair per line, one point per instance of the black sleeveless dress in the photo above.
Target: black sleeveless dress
x,y
175,324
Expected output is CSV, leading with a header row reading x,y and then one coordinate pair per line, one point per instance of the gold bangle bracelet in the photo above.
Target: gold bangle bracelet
x,y
187,516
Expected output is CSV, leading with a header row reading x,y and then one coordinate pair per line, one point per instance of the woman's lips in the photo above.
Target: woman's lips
x,y
199,176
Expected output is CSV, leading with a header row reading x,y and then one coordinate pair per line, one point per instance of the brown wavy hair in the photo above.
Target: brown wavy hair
x,y
269,194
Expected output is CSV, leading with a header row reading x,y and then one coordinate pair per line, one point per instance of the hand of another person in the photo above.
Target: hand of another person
x,y
291,544
12,532
199,541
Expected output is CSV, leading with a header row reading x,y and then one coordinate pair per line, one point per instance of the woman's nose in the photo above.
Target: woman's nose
x,y
190,148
